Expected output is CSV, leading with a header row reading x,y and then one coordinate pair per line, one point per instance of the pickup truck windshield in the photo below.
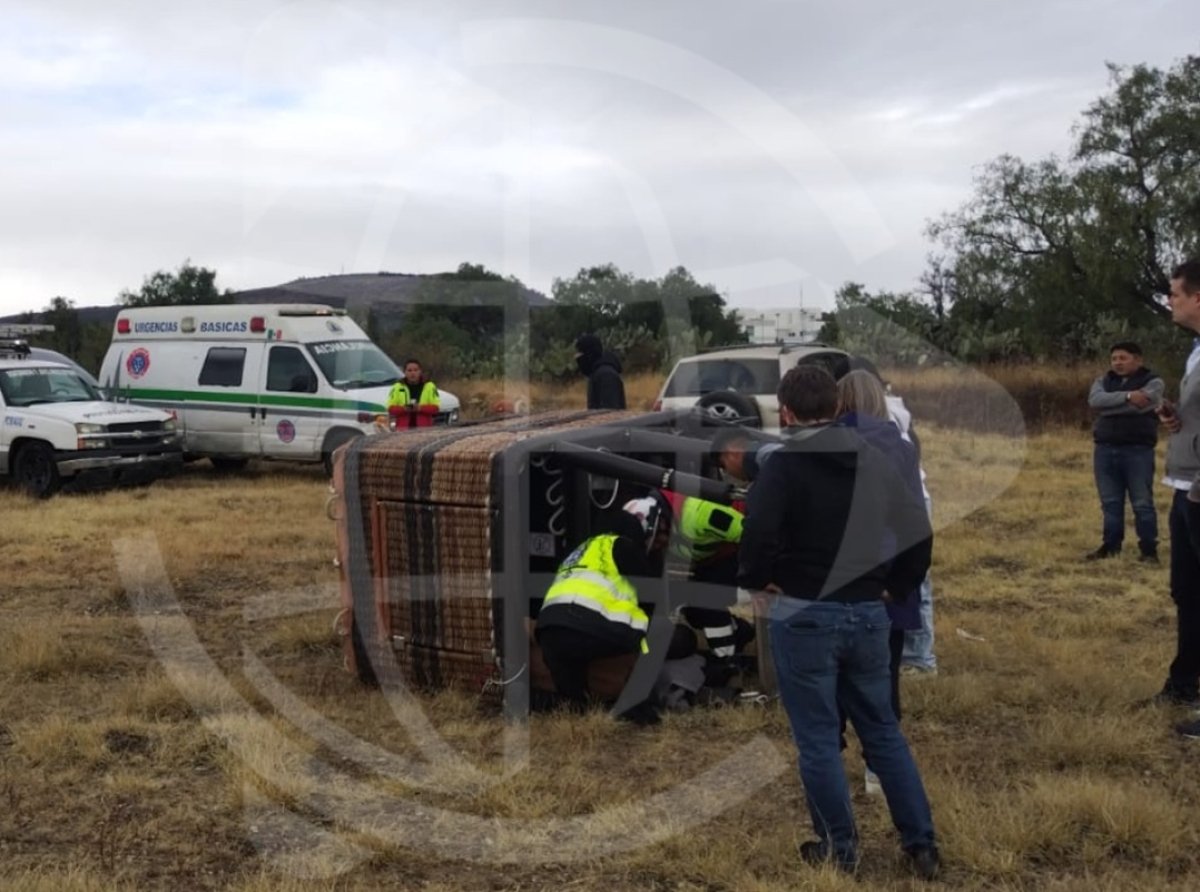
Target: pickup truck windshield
x,y
30,387
350,364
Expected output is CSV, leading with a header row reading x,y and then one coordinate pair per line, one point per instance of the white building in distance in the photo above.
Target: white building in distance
x,y
774,324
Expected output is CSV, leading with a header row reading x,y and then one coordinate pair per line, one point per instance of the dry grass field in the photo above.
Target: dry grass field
x,y
174,715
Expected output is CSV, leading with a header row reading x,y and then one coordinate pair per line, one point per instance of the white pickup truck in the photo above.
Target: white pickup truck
x,y
57,427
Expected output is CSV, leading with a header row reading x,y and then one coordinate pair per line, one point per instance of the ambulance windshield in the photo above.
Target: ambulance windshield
x,y
350,364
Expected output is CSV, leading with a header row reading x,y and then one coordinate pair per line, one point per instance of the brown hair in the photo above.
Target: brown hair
x,y
809,392
860,391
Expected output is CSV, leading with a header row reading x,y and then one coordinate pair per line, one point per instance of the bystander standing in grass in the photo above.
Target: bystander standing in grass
x,y
605,389
862,405
816,524
1183,469
1125,433
918,658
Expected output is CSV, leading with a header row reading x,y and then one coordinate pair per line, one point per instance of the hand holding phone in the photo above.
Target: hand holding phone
x,y
1169,416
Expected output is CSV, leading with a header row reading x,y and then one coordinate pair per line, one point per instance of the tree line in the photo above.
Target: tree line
x,y
474,322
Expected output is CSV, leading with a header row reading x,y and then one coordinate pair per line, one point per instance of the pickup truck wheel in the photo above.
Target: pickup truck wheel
x,y
332,442
35,470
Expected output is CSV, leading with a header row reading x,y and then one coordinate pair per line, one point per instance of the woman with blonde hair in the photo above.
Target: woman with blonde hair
x,y
860,392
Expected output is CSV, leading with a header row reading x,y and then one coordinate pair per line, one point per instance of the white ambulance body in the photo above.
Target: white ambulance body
x,y
255,381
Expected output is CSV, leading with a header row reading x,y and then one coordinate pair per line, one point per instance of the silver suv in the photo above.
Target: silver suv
x,y
740,383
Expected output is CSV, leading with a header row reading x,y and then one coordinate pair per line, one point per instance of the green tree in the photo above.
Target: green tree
x,y
67,336
1046,248
649,321
893,329
189,285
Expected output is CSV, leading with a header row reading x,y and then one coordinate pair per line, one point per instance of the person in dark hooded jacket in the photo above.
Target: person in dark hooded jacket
x,y
605,388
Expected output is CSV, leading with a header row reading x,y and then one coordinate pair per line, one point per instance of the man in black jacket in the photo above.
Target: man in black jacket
x,y
830,528
1125,433
605,389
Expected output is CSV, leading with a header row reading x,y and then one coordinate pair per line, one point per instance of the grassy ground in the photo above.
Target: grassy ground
x,y
174,714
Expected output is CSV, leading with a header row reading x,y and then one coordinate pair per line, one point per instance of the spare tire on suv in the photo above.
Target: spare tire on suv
x,y
731,406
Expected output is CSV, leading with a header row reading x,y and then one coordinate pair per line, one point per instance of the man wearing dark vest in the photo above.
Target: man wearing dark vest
x,y
1125,432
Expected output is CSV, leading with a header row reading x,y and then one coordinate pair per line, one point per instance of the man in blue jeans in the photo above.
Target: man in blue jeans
x,y
816,522
1125,433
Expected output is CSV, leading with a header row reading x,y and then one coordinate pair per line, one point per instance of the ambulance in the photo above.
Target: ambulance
x,y
273,381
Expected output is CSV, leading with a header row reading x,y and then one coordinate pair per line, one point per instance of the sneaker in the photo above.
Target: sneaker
x,y
1101,553
912,670
872,784
816,854
1189,730
924,861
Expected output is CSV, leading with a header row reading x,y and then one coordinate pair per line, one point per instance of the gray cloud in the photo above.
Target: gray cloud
x,y
271,139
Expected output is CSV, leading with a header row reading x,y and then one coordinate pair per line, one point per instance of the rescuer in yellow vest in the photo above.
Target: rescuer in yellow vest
x,y
414,400
591,609
707,534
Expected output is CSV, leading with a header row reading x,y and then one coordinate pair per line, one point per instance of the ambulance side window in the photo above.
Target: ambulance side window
x,y
223,367
289,371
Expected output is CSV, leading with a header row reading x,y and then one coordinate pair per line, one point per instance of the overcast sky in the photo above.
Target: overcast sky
x,y
773,148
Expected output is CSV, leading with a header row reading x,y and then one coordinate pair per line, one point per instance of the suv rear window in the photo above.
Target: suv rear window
x,y
834,363
709,375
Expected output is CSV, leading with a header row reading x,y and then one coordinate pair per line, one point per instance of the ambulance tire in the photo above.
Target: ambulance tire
x,y
333,440
35,470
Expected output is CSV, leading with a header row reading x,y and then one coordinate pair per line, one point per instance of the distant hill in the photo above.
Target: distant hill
x,y
388,295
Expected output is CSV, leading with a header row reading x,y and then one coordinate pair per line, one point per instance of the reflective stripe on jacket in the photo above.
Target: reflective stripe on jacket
x,y
589,578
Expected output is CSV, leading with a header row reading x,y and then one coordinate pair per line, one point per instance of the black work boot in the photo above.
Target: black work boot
x,y
1101,553
924,861
1149,552
817,853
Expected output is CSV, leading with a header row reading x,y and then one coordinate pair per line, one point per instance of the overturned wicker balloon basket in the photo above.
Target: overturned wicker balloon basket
x,y
447,539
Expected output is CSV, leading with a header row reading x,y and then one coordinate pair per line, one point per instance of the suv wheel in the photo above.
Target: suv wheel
x,y
732,407
35,470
